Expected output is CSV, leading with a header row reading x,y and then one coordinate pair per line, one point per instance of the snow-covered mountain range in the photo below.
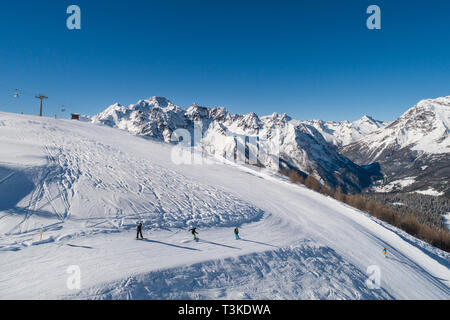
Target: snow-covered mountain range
x,y
358,155
413,151
304,146
345,132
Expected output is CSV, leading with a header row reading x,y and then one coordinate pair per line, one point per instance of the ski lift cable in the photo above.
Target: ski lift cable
x,y
18,93
22,92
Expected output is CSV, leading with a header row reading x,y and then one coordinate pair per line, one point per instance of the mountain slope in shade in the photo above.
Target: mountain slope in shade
x,y
413,151
301,145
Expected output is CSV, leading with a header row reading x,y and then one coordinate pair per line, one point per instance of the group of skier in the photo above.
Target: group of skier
x,y
193,230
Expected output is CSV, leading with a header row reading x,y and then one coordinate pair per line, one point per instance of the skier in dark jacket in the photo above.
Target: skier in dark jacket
x,y
236,233
194,233
139,231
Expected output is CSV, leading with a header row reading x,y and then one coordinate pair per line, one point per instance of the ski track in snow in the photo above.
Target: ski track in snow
x,y
303,271
109,193
86,186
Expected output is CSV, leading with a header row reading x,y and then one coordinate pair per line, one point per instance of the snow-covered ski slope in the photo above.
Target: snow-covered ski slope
x,y
87,185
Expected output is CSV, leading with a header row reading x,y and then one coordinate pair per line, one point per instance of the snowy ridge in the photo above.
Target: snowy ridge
x,y
425,127
346,132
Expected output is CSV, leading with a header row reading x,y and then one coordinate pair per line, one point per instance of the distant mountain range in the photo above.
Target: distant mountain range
x,y
409,154
345,132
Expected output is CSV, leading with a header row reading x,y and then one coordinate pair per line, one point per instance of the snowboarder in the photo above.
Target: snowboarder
x,y
385,252
236,233
139,231
194,233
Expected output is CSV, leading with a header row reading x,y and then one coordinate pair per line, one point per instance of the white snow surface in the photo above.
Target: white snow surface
x,y
341,133
85,186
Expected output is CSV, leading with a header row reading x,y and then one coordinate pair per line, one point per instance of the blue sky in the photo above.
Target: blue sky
x,y
311,59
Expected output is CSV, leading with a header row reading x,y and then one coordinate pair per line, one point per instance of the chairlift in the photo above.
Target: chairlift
x,y
16,94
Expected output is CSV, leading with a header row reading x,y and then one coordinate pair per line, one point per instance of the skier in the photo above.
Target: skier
x,y
194,233
385,252
139,231
236,233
